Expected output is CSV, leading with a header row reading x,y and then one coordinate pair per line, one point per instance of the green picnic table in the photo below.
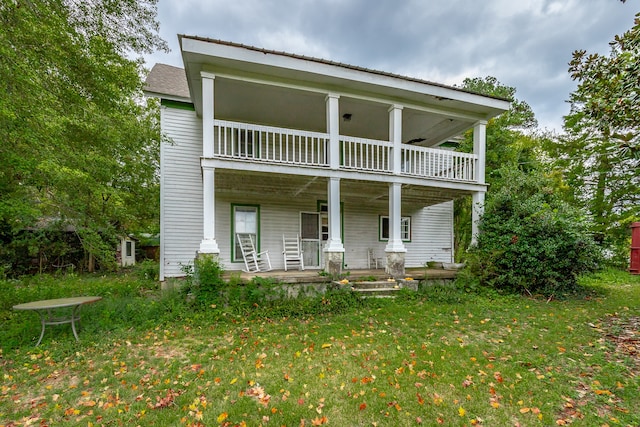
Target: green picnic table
x,y
52,311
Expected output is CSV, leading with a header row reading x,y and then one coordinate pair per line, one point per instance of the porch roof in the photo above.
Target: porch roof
x,y
358,192
280,89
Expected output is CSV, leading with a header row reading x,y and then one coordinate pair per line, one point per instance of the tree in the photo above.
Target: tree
x,y
599,154
79,143
509,146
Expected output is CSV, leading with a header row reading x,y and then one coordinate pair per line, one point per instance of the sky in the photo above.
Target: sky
x,y
525,44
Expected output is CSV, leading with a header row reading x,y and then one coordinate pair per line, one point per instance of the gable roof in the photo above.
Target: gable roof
x,y
333,63
168,81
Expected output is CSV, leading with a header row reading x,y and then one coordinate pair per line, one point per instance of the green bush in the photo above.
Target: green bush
x,y
530,241
148,270
204,282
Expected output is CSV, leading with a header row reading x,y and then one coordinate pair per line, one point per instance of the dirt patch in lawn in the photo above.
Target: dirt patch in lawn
x,y
624,334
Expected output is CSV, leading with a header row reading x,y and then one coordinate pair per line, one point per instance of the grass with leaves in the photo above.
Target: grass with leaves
x,y
443,356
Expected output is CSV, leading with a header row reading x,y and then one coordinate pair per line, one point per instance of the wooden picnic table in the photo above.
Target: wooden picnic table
x,y
51,311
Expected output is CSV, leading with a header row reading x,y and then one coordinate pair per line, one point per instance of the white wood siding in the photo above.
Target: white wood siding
x,y
432,231
431,235
181,191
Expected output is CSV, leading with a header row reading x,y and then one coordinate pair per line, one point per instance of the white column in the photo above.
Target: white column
x,y
395,243
333,129
395,137
477,210
480,149
208,244
334,243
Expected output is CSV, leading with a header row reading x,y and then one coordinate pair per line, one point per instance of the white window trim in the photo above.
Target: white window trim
x,y
405,228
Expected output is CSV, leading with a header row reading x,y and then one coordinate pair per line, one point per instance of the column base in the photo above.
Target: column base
x,y
395,264
333,263
209,246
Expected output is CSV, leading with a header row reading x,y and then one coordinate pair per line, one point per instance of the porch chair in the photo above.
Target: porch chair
x,y
373,260
253,261
292,252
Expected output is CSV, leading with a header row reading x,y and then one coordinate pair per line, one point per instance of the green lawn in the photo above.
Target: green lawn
x,y
442,357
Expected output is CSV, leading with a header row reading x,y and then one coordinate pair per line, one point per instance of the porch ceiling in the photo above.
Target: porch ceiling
x,y
277,186
272,88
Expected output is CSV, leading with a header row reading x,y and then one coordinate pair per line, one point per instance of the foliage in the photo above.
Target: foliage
x,y
147,270
259,297
448,358
531,241
79,144
205,282
508,147
599,154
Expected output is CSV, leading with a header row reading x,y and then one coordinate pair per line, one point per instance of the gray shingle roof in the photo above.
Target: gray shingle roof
x,y
167,80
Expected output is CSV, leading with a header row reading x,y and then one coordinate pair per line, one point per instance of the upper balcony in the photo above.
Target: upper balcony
x,y
301,149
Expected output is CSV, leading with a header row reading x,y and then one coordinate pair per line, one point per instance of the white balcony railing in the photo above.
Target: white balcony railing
x,y
365,154
437,163
268,144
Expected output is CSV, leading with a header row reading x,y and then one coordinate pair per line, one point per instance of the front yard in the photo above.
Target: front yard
x,y
444,356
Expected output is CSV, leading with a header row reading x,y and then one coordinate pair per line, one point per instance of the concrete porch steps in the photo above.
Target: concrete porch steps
x,y
378,288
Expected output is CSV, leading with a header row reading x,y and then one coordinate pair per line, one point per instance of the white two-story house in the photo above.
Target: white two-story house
x,y
349,159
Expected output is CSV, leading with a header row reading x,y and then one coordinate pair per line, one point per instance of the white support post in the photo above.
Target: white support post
x,y
208,244
333,129
395,243
395,137
477,210
480,149
334,250
334,243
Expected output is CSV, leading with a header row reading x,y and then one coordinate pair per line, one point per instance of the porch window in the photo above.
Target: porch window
x,y
405,228
245,219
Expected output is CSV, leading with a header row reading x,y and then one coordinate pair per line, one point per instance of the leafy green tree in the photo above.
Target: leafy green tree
x,y
79,142
599,153
530,240
510,145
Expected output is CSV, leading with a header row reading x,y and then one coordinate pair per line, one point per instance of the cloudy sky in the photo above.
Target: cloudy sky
x,y
526,44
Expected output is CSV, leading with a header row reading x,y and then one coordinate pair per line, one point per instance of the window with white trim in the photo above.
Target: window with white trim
x,y
405,228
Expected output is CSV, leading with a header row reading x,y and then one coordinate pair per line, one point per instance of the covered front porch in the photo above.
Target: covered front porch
x,y
270,206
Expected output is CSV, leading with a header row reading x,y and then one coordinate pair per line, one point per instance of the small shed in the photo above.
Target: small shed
x,y
126,253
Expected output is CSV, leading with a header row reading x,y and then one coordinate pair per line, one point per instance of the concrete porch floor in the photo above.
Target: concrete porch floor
x,y
313,276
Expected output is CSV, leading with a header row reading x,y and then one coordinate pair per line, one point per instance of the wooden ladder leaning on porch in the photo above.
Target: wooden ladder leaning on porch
x,y
253,261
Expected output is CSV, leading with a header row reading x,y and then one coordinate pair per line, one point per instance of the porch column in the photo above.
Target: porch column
x,y
334,250
395,137
395,249
333,129
480,150
208,245
477,210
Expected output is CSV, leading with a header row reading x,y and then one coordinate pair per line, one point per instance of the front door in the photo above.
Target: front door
x,y
311,238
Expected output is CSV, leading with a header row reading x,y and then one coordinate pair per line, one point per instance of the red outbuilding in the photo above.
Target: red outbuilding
x,y
634,267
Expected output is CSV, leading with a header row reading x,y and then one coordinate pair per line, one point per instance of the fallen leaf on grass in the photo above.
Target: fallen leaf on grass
x,y
319,421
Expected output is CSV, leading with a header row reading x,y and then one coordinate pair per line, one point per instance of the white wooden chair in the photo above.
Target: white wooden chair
x,y
253,261
373,261
292,252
